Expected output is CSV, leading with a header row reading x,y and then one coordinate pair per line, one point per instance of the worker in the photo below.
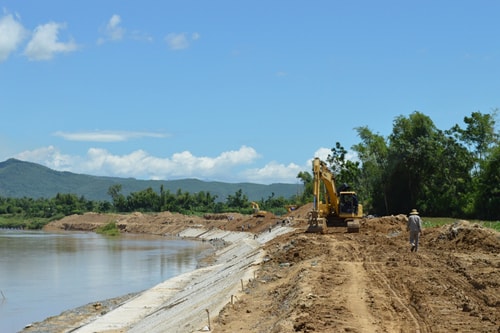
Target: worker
x,y
414,226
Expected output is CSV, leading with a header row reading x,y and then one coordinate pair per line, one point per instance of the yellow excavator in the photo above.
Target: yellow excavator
x,y
256,210
332,208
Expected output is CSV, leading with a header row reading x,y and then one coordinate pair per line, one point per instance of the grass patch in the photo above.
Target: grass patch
x,y
110,229
495,225
21,222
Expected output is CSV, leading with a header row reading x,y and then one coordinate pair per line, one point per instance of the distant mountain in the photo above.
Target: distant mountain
x,y
25,179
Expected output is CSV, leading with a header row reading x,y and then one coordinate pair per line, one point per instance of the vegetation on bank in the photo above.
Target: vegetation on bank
x,y
30,213
430,222
454,172
20,221
110,229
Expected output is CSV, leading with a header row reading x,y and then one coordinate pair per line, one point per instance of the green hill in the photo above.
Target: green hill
x,y
25,179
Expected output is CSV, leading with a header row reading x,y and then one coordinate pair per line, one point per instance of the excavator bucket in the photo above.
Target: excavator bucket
x,y
316,223
315,229
353,226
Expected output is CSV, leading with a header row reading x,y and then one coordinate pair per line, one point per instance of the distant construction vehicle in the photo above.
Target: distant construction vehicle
x,y
256,210
332,208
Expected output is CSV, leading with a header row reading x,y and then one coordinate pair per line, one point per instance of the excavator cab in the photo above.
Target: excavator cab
x,y
350,210
348,203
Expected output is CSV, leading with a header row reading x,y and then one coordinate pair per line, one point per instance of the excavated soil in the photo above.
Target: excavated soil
x,y
347,282
371,282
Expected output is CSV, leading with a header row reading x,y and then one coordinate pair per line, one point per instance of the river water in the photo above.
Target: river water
x,y
43,274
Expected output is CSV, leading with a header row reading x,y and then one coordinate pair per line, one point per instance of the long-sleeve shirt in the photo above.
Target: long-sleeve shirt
x,y
414,223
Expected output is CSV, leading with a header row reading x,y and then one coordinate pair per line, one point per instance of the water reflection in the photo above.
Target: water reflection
x,y
42,274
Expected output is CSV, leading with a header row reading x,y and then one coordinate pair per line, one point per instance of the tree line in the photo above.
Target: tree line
x,y
34,213
452,173
442,173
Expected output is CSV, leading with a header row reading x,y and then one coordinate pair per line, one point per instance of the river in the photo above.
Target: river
x,y
43,274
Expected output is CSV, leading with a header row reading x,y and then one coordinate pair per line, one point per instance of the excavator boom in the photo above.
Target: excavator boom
x,y
332,208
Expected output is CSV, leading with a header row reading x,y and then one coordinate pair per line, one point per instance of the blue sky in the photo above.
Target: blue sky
x,y
234,91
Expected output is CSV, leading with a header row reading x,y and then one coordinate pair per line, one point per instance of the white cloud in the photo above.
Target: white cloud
x,y
12,33
50,157
113,28
140,36
322,153
107,136
179,41
112,31
45,44
228,166
140,164
274,173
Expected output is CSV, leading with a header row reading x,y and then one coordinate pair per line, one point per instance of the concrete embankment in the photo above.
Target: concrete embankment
x,y
186,302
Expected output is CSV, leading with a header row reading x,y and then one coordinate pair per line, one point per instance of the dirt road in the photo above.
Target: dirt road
x,y
371,282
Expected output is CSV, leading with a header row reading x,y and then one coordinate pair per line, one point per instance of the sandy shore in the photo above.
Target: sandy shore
x,y
187,302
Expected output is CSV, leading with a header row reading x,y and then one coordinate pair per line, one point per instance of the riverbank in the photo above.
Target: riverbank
x,y
184,303
180,304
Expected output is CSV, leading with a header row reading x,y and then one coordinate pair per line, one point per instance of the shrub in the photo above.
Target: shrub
x,y
110,229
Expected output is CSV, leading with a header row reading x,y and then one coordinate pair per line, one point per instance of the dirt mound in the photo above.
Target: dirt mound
x,y
467,236
385,224
301,211
166,223
288,249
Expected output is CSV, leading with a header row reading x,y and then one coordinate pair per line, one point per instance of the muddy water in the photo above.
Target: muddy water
x,y
43,274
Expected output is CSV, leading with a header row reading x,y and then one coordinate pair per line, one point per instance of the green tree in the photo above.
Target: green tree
x,y
480,138
346,171
373,187
204,202
479,135
413,159
307,180
183,202
238,200
69,203
119,201
146,201
448,191
487,203
427,169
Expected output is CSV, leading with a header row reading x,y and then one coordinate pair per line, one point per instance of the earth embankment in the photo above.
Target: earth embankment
x,y
371,282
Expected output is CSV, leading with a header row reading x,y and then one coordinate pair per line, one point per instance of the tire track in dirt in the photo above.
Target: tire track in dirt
x,y
356,284
375,270
356,302
451,294
370,276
